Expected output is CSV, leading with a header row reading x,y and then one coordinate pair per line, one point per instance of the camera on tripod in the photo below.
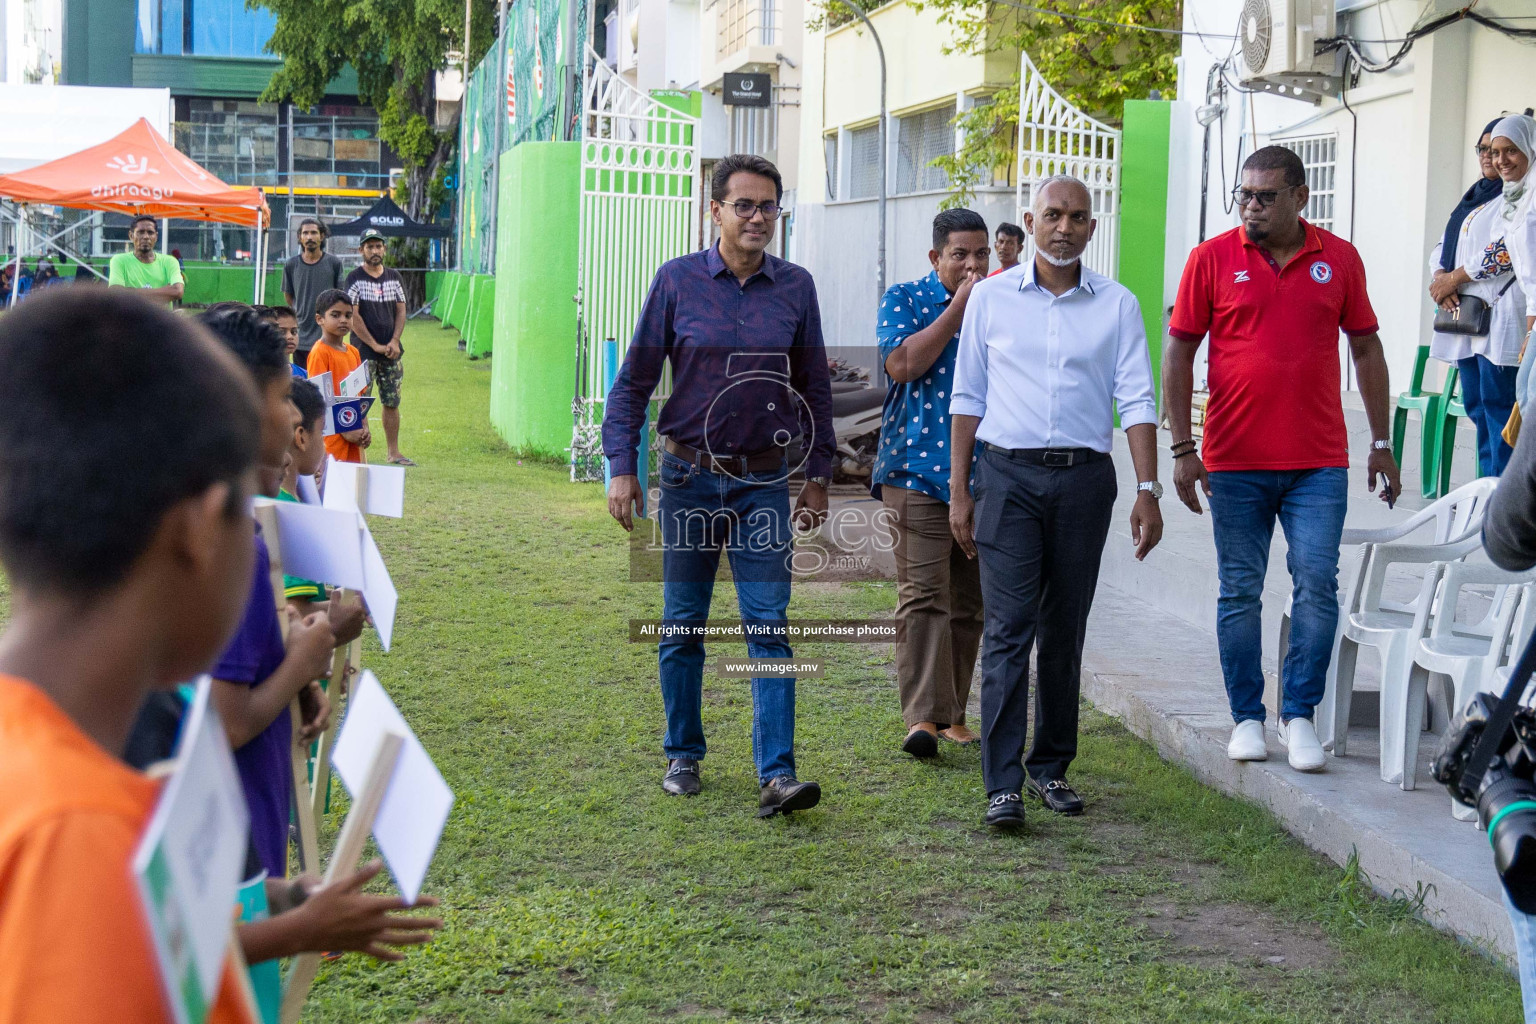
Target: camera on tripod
x,y
1488,760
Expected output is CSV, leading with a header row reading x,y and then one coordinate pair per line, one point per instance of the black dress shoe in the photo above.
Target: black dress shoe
x,y
1006,810
682,778
782,794
1057,796
921,743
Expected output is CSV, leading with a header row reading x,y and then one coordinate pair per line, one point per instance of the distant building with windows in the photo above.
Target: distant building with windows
x,y
211,55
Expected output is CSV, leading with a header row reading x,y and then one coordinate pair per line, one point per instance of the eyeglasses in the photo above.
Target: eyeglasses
x,y
1482,150
745,209
1266,198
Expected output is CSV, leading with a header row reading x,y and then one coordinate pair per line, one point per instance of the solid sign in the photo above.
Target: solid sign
x,y
743,90
189,862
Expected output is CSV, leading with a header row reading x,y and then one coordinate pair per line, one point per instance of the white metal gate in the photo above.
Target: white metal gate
x,y
639,203
1057,138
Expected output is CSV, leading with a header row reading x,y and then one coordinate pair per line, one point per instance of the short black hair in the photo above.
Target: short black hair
x,y
1012,231
310,403
1278,158
720,184
224,307
95,448
328,298
273,312
324,232
950,221
154,222
254,341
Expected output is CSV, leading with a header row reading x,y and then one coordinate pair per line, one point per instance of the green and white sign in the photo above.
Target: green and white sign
x,y
189,863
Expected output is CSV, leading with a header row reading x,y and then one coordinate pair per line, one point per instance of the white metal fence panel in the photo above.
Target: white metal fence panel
x,y
1057,138
639,208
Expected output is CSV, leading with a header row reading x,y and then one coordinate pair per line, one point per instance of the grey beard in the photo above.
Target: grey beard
x,y
1057,261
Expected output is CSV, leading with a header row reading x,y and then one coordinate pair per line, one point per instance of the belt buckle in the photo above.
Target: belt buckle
x,y
1058,458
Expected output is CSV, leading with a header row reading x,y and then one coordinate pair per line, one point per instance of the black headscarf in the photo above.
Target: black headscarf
x,y
1476,196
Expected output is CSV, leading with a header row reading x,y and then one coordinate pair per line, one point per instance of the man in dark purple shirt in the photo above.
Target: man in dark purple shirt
x,y
742,332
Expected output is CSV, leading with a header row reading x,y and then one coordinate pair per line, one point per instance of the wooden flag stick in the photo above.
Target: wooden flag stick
x,y
309,836
346,657
349,848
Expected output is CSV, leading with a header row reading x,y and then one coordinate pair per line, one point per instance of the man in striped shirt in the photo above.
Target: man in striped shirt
x,y
378,321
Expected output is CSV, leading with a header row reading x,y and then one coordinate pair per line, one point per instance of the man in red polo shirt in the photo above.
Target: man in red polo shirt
x,y
1273,295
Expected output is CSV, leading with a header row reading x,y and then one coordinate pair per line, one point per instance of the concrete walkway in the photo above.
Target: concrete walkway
x,y
1151,660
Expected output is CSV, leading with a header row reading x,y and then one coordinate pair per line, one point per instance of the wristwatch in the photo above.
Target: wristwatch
x,y
819,481
1381,446
1152,487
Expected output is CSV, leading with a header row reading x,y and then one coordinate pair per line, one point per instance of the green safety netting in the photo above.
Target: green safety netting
x,y
525,79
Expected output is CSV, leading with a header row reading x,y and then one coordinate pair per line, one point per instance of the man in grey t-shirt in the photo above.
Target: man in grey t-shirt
x,y
305,276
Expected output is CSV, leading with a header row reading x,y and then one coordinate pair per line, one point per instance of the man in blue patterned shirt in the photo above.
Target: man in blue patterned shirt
x,y
938,610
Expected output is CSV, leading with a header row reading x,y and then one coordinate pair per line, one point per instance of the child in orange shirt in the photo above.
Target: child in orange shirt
x,y
137,492
333,312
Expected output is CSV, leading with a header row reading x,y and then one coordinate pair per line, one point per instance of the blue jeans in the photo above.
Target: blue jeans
x,y
701,512
1310,504
1488,392
1525,949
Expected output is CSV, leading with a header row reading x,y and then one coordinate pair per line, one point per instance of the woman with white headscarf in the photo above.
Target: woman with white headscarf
x,y
1514,153
1463,265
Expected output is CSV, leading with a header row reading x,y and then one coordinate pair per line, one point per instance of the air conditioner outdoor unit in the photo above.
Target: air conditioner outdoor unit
x,y
1279,39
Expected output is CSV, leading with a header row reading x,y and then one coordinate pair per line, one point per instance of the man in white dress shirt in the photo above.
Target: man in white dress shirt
x,y
1047,350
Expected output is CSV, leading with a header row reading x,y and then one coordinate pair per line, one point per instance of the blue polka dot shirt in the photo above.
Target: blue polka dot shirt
x,y
914,430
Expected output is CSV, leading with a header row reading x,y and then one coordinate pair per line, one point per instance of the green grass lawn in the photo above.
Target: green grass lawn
x,y
575,890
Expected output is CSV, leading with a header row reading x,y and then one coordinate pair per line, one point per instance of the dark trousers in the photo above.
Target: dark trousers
x,y
1040,533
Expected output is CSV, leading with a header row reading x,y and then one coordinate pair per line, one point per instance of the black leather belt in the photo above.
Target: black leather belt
x,y
759,462
1053,457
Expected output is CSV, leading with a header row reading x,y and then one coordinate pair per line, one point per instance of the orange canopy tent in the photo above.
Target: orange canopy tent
x,y
139,172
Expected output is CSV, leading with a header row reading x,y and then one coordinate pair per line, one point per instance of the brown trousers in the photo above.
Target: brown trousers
x,y
938,610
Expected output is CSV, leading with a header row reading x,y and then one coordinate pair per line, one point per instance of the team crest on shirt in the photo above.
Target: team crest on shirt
x,y
1322,273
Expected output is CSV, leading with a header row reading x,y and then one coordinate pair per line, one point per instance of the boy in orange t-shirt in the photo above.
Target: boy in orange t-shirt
x,y
333,312
137,491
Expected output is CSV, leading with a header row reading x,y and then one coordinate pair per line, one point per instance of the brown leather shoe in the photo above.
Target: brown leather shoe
x,y
682,778
959,734
783,794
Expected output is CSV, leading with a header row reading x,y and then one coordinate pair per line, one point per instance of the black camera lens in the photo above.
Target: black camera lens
x,y
1507,809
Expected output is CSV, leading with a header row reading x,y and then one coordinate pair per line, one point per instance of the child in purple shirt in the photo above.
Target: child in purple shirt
x,y
256,678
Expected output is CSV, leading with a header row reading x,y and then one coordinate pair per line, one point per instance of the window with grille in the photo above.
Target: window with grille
x,y
829,150
1319,155
920,139
864,162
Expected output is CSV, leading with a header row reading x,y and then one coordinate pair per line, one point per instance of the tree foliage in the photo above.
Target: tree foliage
x,y
397,47
1097,67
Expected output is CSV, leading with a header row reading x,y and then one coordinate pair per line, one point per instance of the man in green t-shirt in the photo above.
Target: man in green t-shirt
x,y
156,274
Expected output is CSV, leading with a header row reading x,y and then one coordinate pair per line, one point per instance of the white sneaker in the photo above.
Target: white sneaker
x,y
1247,743
1300,739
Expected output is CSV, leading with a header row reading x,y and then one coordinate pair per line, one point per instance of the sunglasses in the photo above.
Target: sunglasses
x,y
1266,197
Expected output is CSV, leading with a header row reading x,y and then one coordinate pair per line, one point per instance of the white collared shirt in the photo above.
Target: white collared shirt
x,y
1042,370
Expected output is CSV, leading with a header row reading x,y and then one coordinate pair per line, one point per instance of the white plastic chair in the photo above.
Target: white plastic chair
x,y
1453,516
1457,651
1394,631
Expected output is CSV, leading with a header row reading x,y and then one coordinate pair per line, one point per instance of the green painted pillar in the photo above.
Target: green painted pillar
x,y
1144,215
533,374
481,321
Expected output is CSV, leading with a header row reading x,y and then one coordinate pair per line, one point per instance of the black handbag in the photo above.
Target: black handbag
x,y
1472,316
